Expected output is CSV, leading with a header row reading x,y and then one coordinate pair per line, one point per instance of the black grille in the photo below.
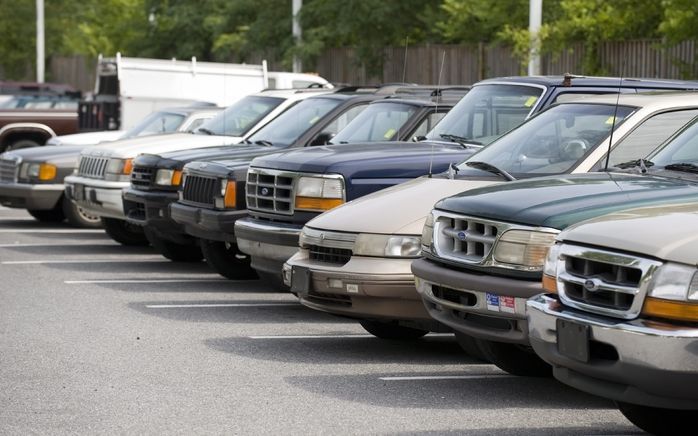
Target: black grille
x,y
612,275
337,256
200,190
610,299
453,296
142,177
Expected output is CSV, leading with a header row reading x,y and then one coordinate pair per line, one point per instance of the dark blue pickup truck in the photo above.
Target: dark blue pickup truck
x,y
286,190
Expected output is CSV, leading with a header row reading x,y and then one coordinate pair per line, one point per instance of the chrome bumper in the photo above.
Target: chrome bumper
x,y
29,196
98,197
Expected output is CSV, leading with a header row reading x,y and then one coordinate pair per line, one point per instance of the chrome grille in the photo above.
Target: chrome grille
x,y
200,190
92,167
9,168
270,191
142,177
464,238
603,282
324,238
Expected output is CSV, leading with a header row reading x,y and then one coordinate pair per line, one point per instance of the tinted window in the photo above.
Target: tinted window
x,y
379,122
487,112
428,123
682,149
238,119
553,142
285,129
157,122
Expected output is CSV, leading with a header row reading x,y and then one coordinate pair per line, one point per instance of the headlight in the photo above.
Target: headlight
x,y
228,198
386,245
168,177
119,166
524,247
550,269
673,293
427,233
41,171
319,193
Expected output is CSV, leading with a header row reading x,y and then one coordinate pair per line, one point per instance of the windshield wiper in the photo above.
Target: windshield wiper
x,y
484,166
683,166
263,142
246,141
206,131
464,142
635,163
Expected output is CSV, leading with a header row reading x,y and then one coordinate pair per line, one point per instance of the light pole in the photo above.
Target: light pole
x,y
297,34
40,41
535,17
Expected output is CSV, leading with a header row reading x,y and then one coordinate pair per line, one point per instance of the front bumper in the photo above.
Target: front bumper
x,y
211,224
364,287
654,364
97,197
150,208
31,197
480,305
269,244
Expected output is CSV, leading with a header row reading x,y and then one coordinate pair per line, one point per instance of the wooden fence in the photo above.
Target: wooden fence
x,y
462,64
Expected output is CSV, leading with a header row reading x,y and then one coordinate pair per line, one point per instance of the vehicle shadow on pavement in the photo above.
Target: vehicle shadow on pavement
x,y
487,393
280,314
138,268
346,350
72,236
189,284
80,249
604,428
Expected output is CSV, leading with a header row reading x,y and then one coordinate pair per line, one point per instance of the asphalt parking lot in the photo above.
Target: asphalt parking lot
x,y
100,338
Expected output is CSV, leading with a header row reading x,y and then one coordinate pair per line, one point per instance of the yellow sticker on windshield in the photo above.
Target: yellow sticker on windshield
x,y
530,101
611,120
314,119
389,134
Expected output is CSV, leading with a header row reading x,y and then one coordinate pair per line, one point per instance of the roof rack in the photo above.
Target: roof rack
x,y
383,88
437,94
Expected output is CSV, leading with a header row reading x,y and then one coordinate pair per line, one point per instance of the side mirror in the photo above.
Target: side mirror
x,y
323,138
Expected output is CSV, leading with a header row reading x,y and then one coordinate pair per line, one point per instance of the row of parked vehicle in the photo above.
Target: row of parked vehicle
x,y
546,221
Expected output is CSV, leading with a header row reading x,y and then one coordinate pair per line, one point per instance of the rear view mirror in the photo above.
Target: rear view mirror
x,y
323,138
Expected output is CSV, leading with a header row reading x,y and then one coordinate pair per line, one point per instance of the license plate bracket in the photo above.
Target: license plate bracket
x,y
573,340
300,279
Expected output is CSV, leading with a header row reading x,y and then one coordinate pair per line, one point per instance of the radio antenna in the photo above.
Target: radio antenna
x,y
438,84
404,64
615,113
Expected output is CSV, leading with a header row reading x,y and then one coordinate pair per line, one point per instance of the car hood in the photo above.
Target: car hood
x,y
672,232
60,155
227,154
400,209
129,148
558,202
88,138
378,159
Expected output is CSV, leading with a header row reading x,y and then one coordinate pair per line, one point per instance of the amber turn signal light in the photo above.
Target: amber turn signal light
x,y
312,203
230,199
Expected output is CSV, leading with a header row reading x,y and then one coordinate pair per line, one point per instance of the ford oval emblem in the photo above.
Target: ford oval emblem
x,y
592,285
265,191
462,236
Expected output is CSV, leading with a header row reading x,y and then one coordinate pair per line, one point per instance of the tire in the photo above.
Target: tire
x,y
79,217
227,260
392,331
22,143
515,359
124,233
172,250
471,346
54,215
660,421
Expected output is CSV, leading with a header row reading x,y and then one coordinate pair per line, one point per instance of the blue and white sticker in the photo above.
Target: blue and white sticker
x,y
492,302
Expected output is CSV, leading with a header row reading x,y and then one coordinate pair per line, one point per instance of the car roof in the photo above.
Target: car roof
x,y
593,81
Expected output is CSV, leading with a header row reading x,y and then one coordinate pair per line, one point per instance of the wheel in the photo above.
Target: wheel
x,y
123,232
172,250
660,421
54,215
79,217
227,260
273,280
22,143
386,330
470,345
515,359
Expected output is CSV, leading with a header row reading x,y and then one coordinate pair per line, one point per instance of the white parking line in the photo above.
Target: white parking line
x,y
59,245
447,377
187,306
81,282
52,231
33,262
361,335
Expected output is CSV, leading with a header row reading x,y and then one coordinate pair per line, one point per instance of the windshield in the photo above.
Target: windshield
x,y
38,102
239,118
285,129
378,122
486,113
155,123
683,149
552,142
